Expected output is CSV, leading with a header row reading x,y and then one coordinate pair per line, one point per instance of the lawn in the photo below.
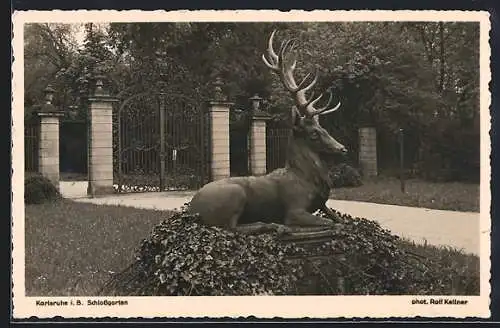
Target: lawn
x,y
453,196
74,248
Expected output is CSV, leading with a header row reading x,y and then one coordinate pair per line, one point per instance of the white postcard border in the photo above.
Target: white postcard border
x,y
242,306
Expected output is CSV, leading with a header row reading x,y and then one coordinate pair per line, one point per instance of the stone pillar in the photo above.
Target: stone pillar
x,y
258,161
368,151
218,109
100,141
48,151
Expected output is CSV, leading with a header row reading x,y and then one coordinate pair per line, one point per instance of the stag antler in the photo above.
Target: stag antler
x,y
279,64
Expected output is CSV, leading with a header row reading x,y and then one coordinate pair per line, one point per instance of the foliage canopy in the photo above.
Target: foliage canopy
x,y
422,77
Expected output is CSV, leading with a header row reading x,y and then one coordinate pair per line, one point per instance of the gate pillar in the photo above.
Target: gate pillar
x,y
258,161
100,154
218,109
48,147
368,151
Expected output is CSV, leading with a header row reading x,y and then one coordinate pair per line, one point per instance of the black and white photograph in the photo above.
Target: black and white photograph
x,y
317,164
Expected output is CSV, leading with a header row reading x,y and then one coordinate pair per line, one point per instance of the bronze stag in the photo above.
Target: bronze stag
x,y
287,195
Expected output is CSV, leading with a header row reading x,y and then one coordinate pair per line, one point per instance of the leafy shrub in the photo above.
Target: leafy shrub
x,y
344,175
38,189
450,152
184,257
363,258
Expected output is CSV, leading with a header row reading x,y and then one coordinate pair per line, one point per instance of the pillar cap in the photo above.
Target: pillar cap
x,y
220,103
50,114
261,115
48,110
103,98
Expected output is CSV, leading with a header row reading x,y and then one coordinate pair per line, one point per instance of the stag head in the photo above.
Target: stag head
x,y
305,116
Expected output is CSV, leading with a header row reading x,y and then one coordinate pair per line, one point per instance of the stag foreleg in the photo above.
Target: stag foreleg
x,y
329,212
300,217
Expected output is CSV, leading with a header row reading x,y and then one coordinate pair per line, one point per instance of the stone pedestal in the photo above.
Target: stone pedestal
x,y
258,164
368,151
100,143
219,148
48,151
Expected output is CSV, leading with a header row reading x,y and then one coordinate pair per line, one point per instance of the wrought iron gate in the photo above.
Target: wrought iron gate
x,y
239,149
277,144
73,149
31,141
161,143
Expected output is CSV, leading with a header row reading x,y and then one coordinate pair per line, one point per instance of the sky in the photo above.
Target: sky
x,y
80,31
80,35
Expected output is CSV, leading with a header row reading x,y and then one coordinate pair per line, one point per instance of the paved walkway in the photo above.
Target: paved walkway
x,y
437,227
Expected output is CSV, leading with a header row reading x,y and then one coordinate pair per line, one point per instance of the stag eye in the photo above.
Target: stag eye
x,y
314,135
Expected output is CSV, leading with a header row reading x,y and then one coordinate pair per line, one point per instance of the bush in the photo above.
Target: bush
x,y
450,152
184,257
38,189
363,258
344,175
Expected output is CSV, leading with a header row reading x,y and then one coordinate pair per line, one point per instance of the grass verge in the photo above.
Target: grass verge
x,y
454,196
73,248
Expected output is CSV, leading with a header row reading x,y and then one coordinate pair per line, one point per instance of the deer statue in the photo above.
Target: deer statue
x,y
288,196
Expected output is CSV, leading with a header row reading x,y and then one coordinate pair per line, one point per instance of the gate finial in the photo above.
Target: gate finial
x,y
218,93
99,86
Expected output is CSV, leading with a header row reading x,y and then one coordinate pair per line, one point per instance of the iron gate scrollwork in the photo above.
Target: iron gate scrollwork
x,y
160,143
277,139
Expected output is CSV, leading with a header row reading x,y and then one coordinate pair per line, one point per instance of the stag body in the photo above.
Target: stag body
x,y
288,195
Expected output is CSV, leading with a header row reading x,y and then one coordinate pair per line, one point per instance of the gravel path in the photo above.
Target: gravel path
x,y
436,227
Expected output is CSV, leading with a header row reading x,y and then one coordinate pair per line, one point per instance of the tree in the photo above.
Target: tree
x,y
49,48
453,51
386,74
93,58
